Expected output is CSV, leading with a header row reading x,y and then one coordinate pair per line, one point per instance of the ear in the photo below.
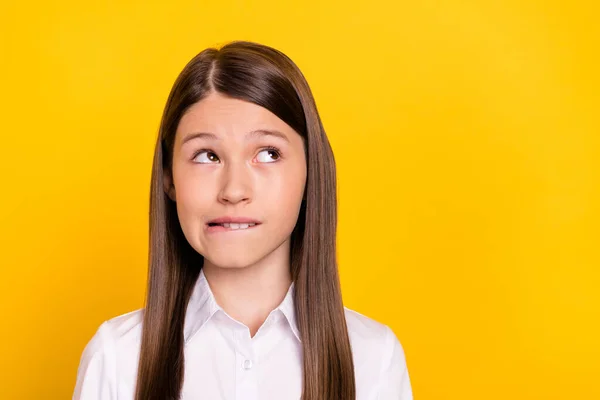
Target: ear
x,y
168,185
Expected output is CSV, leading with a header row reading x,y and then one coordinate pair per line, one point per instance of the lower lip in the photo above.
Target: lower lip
x,y
221,228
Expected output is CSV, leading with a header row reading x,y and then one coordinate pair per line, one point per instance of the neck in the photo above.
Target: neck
x,y
248,294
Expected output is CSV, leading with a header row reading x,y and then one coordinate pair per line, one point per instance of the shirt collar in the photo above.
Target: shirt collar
x,y
202,306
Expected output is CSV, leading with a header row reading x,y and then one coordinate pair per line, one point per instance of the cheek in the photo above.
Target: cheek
x,y
193,187
284,192
194,197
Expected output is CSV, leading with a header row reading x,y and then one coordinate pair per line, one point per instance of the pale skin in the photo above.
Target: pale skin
x,y
234,172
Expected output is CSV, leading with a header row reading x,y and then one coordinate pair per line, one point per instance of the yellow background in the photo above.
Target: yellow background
x,y
467,142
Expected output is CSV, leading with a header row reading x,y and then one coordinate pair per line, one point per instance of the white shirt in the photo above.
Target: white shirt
x,y
223,362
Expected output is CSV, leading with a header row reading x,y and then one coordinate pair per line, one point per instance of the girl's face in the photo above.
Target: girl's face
x,y
236,161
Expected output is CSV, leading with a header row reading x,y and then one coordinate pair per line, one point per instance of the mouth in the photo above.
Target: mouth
x,y
230,226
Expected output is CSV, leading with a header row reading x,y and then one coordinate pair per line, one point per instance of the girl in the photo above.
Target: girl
x,y
243,298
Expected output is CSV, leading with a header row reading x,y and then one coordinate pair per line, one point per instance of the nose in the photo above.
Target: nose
x,y
236,184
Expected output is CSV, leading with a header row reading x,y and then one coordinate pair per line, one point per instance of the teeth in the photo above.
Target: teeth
x,y
237,226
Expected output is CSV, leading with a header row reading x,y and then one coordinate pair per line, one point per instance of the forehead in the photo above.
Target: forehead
x,y
226,116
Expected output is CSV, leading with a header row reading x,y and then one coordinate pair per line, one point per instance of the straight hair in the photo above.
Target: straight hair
x,y
267,77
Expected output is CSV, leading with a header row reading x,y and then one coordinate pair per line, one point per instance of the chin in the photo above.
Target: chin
x,y
230,262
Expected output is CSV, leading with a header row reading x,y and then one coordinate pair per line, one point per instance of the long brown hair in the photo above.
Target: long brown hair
x,y
264,76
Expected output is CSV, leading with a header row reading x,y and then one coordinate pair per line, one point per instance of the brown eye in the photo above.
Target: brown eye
x,y
268,156
206,157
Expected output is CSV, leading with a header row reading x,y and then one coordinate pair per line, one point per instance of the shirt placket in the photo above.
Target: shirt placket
x,y
246,368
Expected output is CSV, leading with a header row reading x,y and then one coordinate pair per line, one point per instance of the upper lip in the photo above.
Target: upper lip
x,y
233,220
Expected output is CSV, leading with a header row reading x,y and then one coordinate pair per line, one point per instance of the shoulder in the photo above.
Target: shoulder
x,y
112,349
126,326
114,334
121,328
366,331
368,335
379,358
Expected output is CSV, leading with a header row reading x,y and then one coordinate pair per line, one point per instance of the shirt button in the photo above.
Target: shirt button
x,y
247,364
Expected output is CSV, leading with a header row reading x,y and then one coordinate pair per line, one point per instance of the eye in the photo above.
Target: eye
x,y
205,157
268,155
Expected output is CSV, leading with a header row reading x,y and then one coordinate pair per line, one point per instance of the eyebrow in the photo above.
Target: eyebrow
x,y
250,135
